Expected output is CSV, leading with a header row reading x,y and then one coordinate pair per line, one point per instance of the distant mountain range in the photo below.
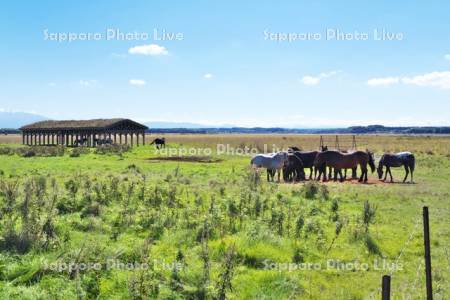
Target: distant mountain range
x,y
15,120
166,125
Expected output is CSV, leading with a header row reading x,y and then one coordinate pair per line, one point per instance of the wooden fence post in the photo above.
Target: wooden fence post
x,y
426,240
386,287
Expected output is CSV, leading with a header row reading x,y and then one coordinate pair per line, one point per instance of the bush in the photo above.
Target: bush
x,y
76,152
7,151
310,190
371,245
112,149
41,151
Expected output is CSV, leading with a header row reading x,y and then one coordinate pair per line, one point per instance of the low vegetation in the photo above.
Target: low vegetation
x,y
82,224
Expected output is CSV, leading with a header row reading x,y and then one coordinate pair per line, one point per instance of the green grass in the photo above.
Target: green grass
x,y
137,210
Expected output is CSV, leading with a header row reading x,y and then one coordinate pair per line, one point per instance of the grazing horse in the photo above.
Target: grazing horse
x,y
307,157
389,160
293,169
80,142
159,143
273,162
339,161
106,141
354,173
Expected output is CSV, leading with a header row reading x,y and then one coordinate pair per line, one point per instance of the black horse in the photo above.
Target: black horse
x,y
159,143
307,157
293,169
389,160
106,141
80,142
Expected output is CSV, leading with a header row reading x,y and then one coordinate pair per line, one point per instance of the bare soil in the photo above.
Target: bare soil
x,y
199,159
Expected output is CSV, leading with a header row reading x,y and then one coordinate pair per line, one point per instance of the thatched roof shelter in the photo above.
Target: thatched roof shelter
x,y
82,132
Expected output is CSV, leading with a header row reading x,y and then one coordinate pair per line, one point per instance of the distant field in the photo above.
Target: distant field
x,y
208,226
381,143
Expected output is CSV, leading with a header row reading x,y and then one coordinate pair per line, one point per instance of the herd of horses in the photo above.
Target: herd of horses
x,y
291,164
84,141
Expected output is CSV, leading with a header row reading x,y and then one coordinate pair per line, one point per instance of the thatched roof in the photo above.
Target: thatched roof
x,y
83,124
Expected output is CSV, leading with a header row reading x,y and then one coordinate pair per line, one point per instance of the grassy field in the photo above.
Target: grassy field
x,y
132,225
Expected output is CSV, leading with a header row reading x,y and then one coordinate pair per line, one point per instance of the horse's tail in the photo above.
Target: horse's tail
x,y
371,161
412,163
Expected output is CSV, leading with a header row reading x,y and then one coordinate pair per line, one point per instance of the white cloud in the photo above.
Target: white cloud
x,y
447,57
88,83
208,76
137,82
433,79
310,80
315,80
386,81
151,49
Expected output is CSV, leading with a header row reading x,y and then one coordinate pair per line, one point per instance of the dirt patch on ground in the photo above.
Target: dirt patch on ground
x,y
199,159
370,181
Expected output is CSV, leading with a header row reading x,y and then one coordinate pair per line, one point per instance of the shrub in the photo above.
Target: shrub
x,y
7,151
323,192
76,152
298,256
368,214
310,190
371,245
112,149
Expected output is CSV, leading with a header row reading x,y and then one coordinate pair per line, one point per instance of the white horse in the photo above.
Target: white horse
x,y
273,162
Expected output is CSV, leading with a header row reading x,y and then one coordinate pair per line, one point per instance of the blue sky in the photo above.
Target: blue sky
x,y
225,69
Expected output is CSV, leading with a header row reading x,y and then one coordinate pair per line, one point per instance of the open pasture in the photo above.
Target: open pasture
x,y
136,225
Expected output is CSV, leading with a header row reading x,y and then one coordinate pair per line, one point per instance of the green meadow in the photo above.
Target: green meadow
x,y
118,224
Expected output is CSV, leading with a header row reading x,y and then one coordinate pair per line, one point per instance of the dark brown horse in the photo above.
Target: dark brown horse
x,y
339,161
389,160
293,169
159,143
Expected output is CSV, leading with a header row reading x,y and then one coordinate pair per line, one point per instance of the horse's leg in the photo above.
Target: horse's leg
x,y
363,173
340,175
310,173
330,170
412,171
278,172
407,172
268,175
354,175
390,174
386,174
345,174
